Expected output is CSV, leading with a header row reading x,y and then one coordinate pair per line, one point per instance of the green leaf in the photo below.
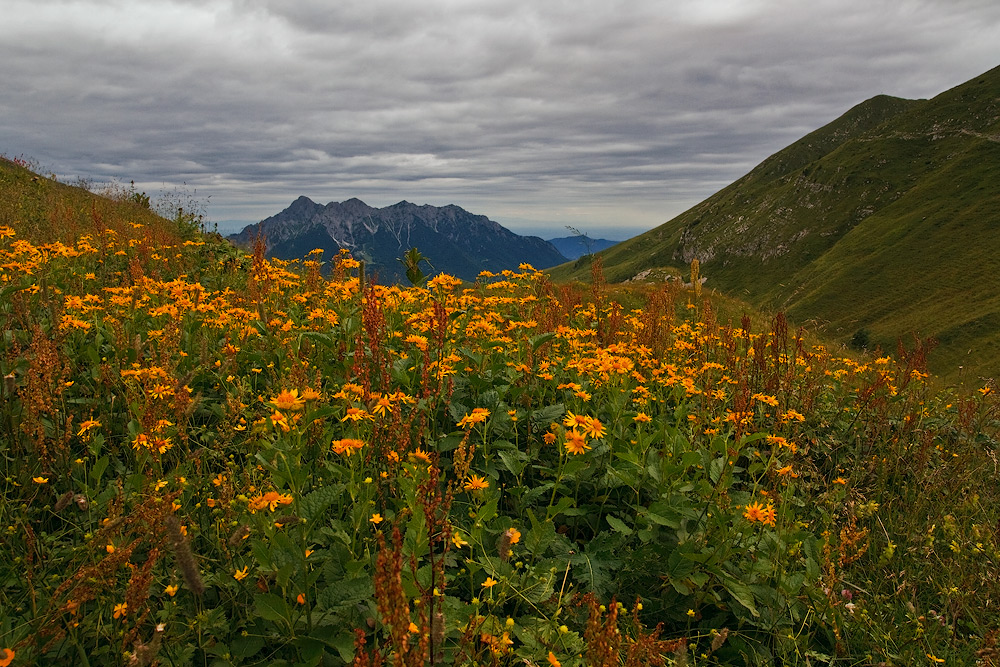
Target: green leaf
x,y
270,607
98,471
618,525
715,469
561,506
319,413
346,592
343,643
548,414
512,460
261,554
541,535
542,339
244,647
315,503
741,593
488,511
322,338
678,567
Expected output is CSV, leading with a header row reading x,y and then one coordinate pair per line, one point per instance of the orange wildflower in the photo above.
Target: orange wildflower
x,y
475,483
478,415
270,500
347,446
576,443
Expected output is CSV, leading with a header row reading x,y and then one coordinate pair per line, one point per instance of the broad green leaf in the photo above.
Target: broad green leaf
x,y
512,460
618,525
741,593
271,607
542,339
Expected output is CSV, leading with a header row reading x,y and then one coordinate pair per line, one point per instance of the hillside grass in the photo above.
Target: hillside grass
x,y
215,459
882,222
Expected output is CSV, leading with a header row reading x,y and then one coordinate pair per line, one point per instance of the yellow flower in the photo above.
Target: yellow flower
x,y
419,341
490,582
270,500
346,446
240,575
356,414
572,421
553,660
40,480
475,483
288,400
642,418
478,415
456,539
754,512
515,535
309,394
576,443
793,415
120,610
593,428
382,406
171,590
443,281
764,398
758,512
376,518
419,454
87,425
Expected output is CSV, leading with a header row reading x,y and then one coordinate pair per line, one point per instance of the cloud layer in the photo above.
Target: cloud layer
x,y
611,116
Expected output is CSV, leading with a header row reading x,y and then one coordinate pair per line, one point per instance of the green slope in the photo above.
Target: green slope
x,y
884,220
45,210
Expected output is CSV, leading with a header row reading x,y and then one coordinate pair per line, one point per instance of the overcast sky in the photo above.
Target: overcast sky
x,y
611,116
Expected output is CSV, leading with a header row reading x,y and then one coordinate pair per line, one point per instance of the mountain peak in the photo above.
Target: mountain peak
x,y
453,240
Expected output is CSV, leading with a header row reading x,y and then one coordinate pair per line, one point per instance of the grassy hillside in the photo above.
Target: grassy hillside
x,y
208,459
45,209
882,222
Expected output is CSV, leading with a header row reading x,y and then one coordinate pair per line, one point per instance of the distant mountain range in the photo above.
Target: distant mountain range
x,y
883,223
575,247
452,239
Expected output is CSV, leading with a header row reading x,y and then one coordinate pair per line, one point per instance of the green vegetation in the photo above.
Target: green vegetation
x,y
885,219
213,459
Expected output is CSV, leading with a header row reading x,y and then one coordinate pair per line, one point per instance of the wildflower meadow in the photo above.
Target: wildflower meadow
x,y
212,458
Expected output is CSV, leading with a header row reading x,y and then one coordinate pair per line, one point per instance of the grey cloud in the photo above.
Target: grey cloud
x,y
588,113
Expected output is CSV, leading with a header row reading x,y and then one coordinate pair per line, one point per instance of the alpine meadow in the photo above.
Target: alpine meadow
x,y
212,457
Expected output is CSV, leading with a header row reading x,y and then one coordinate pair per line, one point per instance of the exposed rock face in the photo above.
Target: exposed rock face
x,y
454,241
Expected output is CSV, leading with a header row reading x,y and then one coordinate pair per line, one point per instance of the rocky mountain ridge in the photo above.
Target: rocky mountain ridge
x,y
454,240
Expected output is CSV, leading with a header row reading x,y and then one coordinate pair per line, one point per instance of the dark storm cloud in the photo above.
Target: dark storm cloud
x,y
597,114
